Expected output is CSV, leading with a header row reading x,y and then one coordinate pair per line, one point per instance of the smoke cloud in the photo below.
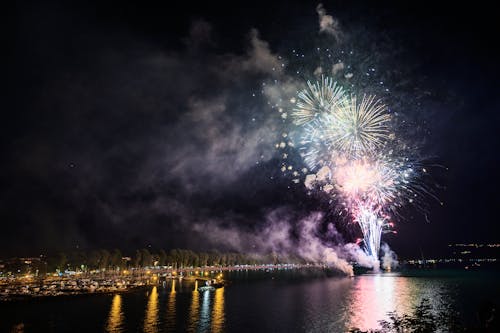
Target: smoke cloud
x,y
143,139
328,24
389,257
287,235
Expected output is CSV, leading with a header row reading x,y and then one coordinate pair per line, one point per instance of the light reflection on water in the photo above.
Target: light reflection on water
x,y
218,311
368,299
284,303
204,317
194,310
204,322
332,304
151,317
373,296
171,310
115,319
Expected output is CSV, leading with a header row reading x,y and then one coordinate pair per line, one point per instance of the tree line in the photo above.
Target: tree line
x,y
143,258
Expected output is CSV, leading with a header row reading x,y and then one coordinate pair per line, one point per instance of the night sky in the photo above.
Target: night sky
x,y
129,125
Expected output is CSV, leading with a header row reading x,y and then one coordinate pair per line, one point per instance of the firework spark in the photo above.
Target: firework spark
x,y
372,223
352,127
357,128
320,98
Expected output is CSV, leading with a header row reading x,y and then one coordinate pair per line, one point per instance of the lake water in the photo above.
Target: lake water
x,y
256,302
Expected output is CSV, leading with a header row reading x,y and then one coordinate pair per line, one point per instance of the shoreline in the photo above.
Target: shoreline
x,y
31,297
29,288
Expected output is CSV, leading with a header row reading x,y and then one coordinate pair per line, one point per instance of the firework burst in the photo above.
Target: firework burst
x,y
357,127
318,99
375,181
346,140
349,126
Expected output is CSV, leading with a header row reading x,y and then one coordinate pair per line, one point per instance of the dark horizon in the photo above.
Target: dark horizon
x,y
131,125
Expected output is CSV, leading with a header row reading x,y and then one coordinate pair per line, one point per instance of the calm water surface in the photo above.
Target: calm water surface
x,y
255,302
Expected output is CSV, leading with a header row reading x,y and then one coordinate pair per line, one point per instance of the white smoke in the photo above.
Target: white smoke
x,y
276,237
318,71
312,248
356,254
338,67
208,136
260,59
328,24
389,258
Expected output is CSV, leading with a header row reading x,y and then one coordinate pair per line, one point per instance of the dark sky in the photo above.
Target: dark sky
x,y
134,124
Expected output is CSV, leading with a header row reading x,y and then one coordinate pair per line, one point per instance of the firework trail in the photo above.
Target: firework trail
x,y
368,188
372,224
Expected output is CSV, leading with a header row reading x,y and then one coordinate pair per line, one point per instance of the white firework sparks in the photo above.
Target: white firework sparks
x,y
320,98
372,224
356,128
